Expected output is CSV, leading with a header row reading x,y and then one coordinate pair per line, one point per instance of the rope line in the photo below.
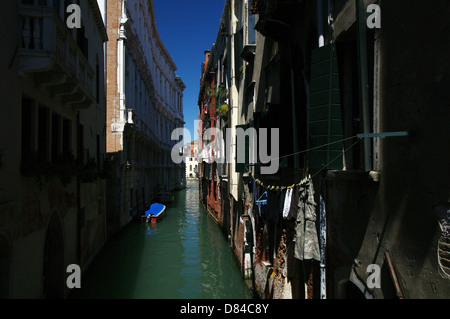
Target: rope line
x,y
314,148
329,163
309,177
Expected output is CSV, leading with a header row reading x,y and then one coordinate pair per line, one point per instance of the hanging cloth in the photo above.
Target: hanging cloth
x,y
273,206
287,202
294,203
306,242
262,201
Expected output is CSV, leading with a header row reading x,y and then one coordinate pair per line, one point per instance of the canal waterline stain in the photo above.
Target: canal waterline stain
x,y
184,256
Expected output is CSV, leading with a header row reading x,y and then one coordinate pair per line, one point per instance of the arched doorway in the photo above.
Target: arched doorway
x,y
53,270
5,266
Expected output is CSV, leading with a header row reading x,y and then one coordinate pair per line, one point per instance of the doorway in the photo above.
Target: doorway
x,y
53,270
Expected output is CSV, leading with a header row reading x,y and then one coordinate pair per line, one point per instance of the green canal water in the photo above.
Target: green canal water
x,y
184,256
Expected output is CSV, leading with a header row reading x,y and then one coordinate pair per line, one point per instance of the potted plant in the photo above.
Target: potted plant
x,y
222,111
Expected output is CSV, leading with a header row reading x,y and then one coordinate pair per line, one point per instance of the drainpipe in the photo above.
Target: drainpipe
x,y
121,65
234,108
363,80
80,163
322,216
323,240
294,114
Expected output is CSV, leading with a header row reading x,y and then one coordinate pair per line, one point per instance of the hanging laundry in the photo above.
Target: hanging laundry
x,y
254,193
261,203
306,242
281,200
287,202
294,203
273,206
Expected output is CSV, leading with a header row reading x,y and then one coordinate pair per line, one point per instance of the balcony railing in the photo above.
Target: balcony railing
x,y
47,48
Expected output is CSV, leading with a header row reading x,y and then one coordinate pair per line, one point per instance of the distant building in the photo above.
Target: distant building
x,y
144,106
191,160
214,84
52,146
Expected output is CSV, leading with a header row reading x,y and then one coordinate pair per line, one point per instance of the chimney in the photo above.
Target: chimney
x,y
207,54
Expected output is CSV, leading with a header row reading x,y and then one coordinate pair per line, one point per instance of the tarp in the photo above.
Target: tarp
x,y
154,209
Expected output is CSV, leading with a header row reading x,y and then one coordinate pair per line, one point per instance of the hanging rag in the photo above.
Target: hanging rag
x,y
262,203
294,203
273,206
306,242
287,202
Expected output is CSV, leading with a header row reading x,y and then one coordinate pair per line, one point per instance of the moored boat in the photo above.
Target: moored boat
x,y
155,213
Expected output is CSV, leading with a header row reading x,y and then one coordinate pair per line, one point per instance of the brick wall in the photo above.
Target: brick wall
x,y
112,96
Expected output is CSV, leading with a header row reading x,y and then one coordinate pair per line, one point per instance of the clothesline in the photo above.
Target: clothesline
x,y
305,179
276,188
315,148
329,163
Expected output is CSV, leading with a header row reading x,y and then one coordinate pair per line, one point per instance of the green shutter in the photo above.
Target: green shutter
x,y
325,122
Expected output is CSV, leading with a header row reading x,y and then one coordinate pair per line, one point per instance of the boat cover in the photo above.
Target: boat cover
x,y
154,209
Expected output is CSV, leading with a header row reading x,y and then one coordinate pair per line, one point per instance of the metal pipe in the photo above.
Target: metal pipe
x,y
363,80
394,278
323,241
294,113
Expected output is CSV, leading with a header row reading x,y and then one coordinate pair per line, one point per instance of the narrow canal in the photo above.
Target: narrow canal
x,y
184,256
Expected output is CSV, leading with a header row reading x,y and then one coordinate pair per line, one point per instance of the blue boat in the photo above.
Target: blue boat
x,y
155,213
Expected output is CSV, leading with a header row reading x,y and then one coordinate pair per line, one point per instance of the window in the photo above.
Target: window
x,y
99,156
82,41
43,134
27,125
97,81
251,27
80,144
56,137
67,138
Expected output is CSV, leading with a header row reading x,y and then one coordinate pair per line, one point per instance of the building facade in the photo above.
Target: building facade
x,y
144,106
357,116
191,160
52,190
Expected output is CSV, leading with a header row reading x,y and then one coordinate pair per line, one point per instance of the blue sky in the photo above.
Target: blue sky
x,y
187,29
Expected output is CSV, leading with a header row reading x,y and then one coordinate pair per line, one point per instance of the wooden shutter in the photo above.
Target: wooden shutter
x,y
325,121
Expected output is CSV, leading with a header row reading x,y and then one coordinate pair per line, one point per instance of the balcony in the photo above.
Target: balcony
x,y
48,51
275,17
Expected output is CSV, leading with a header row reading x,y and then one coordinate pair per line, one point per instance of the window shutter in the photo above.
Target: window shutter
x,y
325,121
243,167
